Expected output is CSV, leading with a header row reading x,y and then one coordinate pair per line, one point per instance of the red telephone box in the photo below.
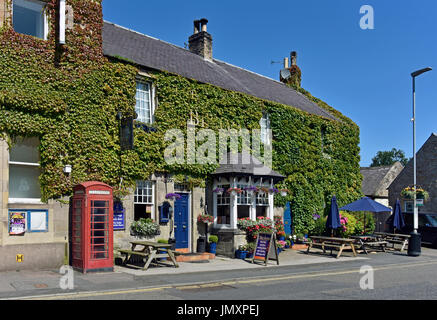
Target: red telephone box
x,y
92,227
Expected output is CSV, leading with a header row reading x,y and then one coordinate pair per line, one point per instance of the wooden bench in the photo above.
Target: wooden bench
x,y
331,243
149,251
394,239
366,242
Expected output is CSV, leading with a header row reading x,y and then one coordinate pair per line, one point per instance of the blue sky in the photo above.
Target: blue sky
x,y
365,74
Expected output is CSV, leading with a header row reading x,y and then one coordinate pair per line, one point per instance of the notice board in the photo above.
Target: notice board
x,y
266,248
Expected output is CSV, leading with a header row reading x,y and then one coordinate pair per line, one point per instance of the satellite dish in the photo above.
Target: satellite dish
x,y
285,74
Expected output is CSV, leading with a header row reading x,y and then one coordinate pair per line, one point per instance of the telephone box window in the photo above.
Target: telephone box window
x,y
29,18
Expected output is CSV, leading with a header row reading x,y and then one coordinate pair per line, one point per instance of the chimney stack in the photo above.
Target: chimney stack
x,y
200,42
295,76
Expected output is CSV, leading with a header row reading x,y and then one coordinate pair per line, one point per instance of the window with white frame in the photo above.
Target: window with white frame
x,y
144,200
24,170
29,17
224,206
144,102
265,128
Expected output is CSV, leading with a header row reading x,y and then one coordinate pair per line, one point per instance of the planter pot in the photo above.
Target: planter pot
x,y
287,246
249,255
281,238
162,259
212,247
240,254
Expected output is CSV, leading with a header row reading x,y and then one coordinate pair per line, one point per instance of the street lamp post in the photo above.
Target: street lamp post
x,y
414,245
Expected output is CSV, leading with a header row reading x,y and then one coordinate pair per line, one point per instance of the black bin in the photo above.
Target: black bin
x,y
172,241
201,244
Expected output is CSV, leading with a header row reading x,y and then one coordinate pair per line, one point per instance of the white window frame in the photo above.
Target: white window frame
x,y
28,164
45,17
265,127
152,203
151,94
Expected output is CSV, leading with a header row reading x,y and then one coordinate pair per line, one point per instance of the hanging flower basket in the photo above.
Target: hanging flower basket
x,y
172,196
273,190
250,190
408,193
205,218
261,191
219,191
234,191
284,192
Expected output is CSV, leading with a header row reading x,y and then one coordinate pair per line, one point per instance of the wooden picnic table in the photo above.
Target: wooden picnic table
x,y
367,242
149,251
332,243
394,238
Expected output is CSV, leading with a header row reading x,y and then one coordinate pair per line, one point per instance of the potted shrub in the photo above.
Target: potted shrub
x,y
250,249
213,244
287,244
241,252
162,251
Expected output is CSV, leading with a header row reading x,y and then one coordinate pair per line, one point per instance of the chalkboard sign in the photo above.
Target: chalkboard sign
x,y
265,248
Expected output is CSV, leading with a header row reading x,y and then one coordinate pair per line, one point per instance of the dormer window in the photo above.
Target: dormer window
x,y
29,17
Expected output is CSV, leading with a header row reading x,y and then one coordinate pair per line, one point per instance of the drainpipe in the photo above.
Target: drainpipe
x,y
62,22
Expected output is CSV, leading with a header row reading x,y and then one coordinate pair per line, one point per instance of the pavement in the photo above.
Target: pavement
x,y
19,284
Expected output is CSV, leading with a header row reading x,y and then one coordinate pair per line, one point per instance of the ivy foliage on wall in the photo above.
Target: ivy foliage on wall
x,y
69,98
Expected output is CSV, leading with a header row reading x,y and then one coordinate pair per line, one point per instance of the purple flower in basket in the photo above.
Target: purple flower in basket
x,y
250,189
273,190
218,190
316,216
172,196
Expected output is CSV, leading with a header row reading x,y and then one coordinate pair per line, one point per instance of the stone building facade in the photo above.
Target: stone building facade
x,y
45,241
426,178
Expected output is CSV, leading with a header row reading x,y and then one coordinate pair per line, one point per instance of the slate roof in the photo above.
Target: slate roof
x,y
372,178
376,180
159,55
244,164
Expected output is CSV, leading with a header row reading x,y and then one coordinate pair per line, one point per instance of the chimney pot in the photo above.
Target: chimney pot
x,y
293,58
204,22
285,63
196,26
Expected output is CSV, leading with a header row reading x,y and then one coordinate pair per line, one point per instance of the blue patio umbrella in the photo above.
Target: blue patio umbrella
x,y
396,221
366,204
333,221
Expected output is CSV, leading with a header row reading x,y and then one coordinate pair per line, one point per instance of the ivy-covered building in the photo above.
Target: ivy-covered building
x,y
67,78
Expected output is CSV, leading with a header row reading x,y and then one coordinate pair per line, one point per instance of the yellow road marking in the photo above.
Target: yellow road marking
x,y
215,284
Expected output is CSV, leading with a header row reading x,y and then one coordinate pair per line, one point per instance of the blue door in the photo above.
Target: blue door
x,y
181,226
287,219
